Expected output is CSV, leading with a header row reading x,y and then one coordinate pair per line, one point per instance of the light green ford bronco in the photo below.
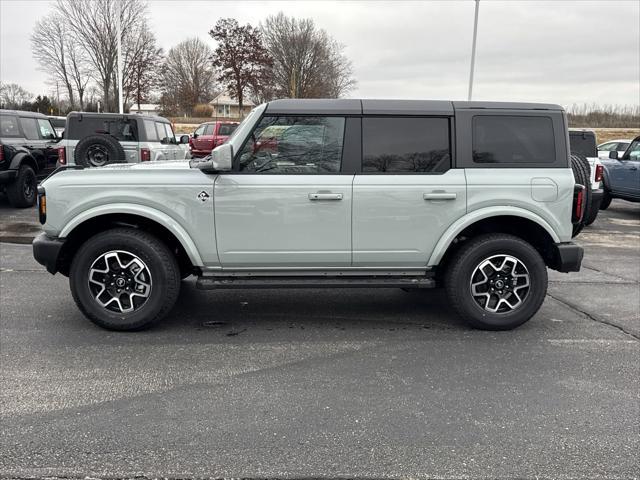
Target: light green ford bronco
x,y
477,197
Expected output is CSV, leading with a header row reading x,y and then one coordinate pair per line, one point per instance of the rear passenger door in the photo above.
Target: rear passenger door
x,y
34,142
407,194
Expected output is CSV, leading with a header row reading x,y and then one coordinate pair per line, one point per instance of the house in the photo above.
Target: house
x,y
145,108
225,106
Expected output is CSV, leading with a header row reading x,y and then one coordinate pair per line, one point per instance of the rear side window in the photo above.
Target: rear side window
x,y
513,140
227,129
123,129
150,130
9,126
30,128
405,145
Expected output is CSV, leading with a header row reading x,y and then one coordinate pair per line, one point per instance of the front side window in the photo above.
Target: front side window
x,y
209,129
30,128
405,145
199,130
294,145
513,139
633,152
607,147
9,126
46,129
165,132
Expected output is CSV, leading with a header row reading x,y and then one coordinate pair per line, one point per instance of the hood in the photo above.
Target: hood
x,y
162,165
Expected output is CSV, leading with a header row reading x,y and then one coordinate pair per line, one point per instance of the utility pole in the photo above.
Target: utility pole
x,y
119,33
473,50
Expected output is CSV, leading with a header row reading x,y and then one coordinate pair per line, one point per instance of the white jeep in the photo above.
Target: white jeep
x,y
478,197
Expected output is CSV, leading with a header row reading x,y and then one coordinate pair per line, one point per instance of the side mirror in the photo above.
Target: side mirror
x,y
613,154
221,160
184,139
195,135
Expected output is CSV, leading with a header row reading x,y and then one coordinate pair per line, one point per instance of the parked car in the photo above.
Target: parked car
x,y
59,123
618,145
583,144
391,199
98,139
209,135
28,152
622,175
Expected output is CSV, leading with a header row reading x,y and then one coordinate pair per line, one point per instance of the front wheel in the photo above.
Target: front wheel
x,y
124,279
496,282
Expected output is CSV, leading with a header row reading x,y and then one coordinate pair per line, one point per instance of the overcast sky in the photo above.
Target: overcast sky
x,y
559,51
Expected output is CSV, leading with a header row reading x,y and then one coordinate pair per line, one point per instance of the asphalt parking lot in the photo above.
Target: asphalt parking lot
x,y
328,383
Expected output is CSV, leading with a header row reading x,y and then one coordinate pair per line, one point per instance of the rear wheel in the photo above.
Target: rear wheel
x,y
496,282
124,279
22,191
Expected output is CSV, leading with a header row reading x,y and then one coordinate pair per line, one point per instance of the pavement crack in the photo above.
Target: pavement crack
x,y
590,267
577,309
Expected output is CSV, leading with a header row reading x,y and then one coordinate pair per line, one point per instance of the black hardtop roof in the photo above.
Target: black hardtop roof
x,y
23,113
119,115
391,107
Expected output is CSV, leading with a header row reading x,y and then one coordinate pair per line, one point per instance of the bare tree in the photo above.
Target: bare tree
x,y
13,95
187,76
93,25
240,57
50,45
307,62
142,58
78,71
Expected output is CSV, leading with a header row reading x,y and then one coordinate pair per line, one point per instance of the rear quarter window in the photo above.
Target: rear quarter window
x,y
515,140
9,127
227,129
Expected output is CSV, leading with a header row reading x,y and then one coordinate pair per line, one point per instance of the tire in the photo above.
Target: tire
x,y
157,278
98,151
465,268
593,214
606,199
22,192
581,173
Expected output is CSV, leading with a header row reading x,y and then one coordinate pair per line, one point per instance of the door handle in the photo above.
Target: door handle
x,y
439,196
325,196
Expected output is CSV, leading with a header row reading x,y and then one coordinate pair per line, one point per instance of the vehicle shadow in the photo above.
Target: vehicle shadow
x,y
235,312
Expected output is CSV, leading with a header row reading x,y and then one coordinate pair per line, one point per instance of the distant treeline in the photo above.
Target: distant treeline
x,y
604,116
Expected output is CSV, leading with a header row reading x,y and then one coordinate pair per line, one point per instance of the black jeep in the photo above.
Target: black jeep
x,y
28,152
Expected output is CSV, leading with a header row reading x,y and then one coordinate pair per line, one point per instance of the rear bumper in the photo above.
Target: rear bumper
x,y
596,198
7,176
46,251
567,257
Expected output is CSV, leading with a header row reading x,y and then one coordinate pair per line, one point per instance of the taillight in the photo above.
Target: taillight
x,y
62,156
599,173
578,203
1,153
145,155
42,205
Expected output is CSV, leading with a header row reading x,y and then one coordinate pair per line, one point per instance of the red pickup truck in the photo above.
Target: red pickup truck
x,y
208,136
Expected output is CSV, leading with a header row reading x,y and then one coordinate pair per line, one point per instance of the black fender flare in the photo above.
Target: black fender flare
x,y
23,158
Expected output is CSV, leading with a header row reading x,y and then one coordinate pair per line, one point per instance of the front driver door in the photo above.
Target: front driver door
x,y
287,204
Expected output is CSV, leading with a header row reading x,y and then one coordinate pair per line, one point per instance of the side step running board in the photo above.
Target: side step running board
x,y
214,283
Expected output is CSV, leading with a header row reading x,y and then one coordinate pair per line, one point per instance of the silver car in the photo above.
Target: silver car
x,y
99,139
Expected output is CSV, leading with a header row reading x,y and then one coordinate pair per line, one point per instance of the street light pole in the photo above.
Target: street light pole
x,y
119,34
473,50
